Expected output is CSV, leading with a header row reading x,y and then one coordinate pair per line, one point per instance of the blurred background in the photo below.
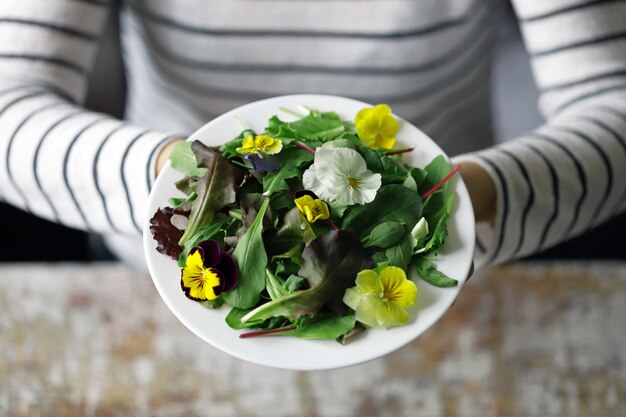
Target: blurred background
x,y
527,339
514,106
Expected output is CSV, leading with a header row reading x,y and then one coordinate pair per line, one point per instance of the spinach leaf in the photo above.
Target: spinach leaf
x,y
393,203
384,235
430,274
436,171
329,328
215,189
400,254
331,263
251,261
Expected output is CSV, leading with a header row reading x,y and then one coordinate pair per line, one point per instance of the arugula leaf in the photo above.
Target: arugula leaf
x,y
215,189
251,261
318,126
440,231
430,274
291,159
183,159
331,263
276,128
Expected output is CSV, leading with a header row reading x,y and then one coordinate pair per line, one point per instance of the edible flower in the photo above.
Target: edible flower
x,y
381,299
376,126
312,207
419,232
263,164
260,145
208,272
341,174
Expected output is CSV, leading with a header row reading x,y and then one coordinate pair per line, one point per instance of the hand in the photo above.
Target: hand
x,y
482,191
165,153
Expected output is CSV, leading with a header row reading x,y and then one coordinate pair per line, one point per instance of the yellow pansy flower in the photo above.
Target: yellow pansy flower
x,y
208,272
381,299
376,126
260,145
313,208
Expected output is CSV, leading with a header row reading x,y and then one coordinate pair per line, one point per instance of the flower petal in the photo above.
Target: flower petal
x,y
351,297
369,282
210,251
311,182
263,164
383,142
247,146
391,314
369,309
396,287
228,268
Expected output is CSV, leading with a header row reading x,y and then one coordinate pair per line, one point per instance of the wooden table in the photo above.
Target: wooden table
x,y
533,339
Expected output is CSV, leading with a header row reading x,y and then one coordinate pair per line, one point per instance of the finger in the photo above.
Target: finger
x,y
471,272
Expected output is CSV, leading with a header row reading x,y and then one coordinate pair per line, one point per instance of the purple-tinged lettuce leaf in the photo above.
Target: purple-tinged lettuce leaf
x,y
216,189
165,233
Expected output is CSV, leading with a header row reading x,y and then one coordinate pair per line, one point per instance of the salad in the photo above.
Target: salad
x,y
310,228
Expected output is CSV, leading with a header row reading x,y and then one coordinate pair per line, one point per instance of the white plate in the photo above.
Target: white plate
x,y
292,353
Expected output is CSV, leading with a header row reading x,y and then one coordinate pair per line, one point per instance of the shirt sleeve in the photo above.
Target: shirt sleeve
x,y
58,160
566,176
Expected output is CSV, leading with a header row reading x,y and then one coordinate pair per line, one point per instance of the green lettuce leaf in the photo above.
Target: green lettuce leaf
x,y
251,260
331,263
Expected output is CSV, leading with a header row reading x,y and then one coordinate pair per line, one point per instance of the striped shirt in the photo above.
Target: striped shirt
x,y
429,59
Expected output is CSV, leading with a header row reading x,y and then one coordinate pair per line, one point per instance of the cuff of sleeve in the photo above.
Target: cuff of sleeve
x,y
489,235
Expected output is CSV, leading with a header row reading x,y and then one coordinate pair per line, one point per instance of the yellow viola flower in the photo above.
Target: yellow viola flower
x,y
376,126
208,272
313,208
260,145
381,299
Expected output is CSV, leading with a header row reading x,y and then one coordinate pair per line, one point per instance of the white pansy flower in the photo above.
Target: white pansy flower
x,y
341,175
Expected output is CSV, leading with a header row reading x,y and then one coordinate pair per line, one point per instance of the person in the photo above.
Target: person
x,y
188,61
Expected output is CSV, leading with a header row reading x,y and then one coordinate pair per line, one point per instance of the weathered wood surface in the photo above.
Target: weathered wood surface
x,y
524,340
